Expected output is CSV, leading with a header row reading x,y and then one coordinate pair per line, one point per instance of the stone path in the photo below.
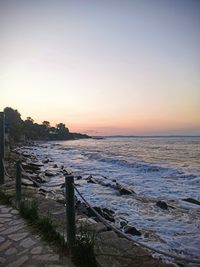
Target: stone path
x,y
20,248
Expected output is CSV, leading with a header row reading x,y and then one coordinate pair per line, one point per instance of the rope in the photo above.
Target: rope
x,y
185,259
38,184
5,171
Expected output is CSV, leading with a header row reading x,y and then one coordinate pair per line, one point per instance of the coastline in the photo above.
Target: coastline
x,y
54,203
47,193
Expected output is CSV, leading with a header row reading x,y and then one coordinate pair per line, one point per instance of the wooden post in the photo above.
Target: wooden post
x,y
2,146
70,210
18,181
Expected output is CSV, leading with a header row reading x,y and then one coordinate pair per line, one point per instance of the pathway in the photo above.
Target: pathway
x,y
20,248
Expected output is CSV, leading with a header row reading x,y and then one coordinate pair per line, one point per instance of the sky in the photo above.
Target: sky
x,y
103,67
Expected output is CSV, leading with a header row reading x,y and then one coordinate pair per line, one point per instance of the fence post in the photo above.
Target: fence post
x,y
18,181
70,210
2,146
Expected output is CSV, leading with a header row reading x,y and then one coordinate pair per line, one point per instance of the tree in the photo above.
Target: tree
x,y
46,123
63,132
14,123
29,119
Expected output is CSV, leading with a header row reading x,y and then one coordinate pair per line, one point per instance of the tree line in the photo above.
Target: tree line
x,y
20,130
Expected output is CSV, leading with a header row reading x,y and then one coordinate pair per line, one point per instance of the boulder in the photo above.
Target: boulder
x,y
92,180
103,212
49,173
191,200
45,161
128,229
55,166
30,167
123,224
27,182
162,204
124,190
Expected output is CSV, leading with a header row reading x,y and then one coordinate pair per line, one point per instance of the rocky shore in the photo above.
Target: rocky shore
x,y
110,248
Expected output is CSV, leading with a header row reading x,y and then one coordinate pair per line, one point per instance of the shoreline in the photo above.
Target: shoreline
x,y
47,194
48,201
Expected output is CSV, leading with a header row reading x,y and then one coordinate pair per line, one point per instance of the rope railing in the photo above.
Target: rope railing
x,y
105,222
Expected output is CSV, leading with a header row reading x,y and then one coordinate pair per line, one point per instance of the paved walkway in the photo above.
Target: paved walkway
x,y
20,248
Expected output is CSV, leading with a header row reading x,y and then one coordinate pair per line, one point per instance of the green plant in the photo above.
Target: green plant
x,y
29,210
5,198
83,250
48,231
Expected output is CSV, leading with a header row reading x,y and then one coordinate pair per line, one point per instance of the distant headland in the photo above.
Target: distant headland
x,y
28,130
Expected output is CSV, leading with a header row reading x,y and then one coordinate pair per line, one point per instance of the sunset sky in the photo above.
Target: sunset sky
x,y
103,67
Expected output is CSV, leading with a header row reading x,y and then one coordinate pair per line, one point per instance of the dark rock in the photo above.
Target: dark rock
x,y
78,177
30,166
191,200
123,224
124,190
55,166
49,173
25,154
45,161
128,229
104,213
161,204
81,207
109,211
92,180
36,164
42,190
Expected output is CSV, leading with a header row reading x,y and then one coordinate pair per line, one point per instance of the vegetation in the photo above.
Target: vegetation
x,y
5,199
29,130
83,251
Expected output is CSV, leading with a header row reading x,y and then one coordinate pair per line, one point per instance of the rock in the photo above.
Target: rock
x,y
108,235
91,224
123,224
124,190
161,204
91,180
191,200
111,212
26,154
31,166
55,166
81,207
49,173
36,164
27,182
128,229
41,178
45,161
78,177
103,212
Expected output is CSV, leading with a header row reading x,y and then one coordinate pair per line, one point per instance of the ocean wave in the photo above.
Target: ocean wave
x,y
142,166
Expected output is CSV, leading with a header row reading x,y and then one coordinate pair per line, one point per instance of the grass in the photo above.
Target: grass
x,y
83,250
5,199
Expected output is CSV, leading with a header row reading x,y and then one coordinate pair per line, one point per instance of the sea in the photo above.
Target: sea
x,y
155,168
